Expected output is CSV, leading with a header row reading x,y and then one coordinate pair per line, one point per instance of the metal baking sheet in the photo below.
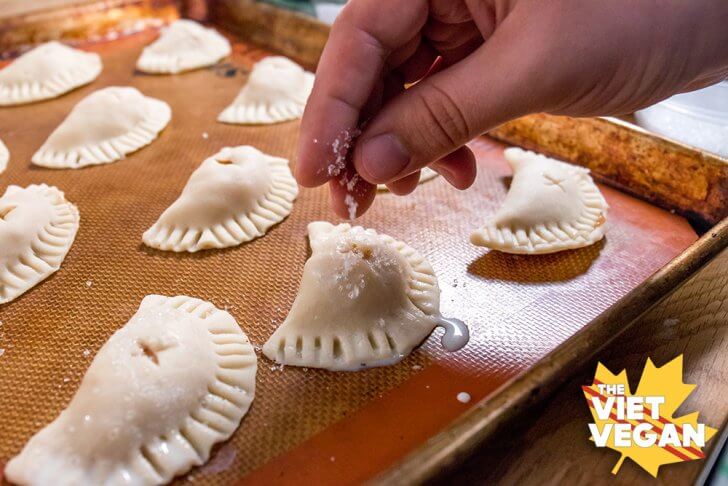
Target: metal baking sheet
x,y
305,425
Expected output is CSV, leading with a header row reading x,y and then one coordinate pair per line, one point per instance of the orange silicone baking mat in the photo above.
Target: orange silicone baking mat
x,y
305,424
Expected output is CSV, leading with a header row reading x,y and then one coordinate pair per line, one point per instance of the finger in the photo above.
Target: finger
x,y
360,41
458,168
451,11
444,37
393,86
404,52
419,64
351,195
373,103
444,111
405,185
458,53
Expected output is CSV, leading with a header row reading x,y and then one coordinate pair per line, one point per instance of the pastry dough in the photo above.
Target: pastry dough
x,y
183,46
4,157
176,379
550,206
276,91
425,175
233,197
365,300
48,71
37,228
103,128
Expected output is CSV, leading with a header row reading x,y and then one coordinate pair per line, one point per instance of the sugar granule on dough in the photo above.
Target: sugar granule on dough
x,y
346,284
352,255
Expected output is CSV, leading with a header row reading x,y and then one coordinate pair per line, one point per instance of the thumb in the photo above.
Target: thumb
x,y
443,112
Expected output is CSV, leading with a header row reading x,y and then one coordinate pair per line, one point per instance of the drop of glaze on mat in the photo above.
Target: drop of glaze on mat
x,y
456,334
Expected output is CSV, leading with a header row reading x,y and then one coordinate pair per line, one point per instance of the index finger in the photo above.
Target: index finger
x,y
353,59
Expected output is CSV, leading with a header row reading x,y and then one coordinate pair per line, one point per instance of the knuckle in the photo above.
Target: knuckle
x,y
443,122
449,12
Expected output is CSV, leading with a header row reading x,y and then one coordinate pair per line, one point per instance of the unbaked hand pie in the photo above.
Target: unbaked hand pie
x,y
183,46
365,300
425,175
551,206
175,380
104,127
48,71
37,228
4,157
276,91
233,197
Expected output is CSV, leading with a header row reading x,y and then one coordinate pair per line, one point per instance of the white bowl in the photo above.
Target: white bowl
x,y
698,118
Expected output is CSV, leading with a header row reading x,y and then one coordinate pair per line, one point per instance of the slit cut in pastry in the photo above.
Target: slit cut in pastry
x,y
276,91
365,300
175,380
551,206
4,157
233,197
425,175
183,46
48,71
104,127
37,228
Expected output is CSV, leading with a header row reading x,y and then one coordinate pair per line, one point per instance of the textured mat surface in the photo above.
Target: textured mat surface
x,y
315,424
693,321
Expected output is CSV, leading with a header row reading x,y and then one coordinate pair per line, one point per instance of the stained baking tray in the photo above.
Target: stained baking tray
x,y
533,320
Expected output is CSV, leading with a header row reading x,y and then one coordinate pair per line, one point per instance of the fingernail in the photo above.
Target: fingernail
x,y
384,157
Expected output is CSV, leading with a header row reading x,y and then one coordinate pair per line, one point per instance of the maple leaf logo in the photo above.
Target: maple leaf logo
x,y
653,437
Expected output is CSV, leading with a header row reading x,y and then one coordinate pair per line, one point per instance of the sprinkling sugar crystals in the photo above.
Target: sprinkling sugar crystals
x,y
351,205
340,147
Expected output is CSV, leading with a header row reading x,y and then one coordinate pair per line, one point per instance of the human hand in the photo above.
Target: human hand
x,y
500,60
